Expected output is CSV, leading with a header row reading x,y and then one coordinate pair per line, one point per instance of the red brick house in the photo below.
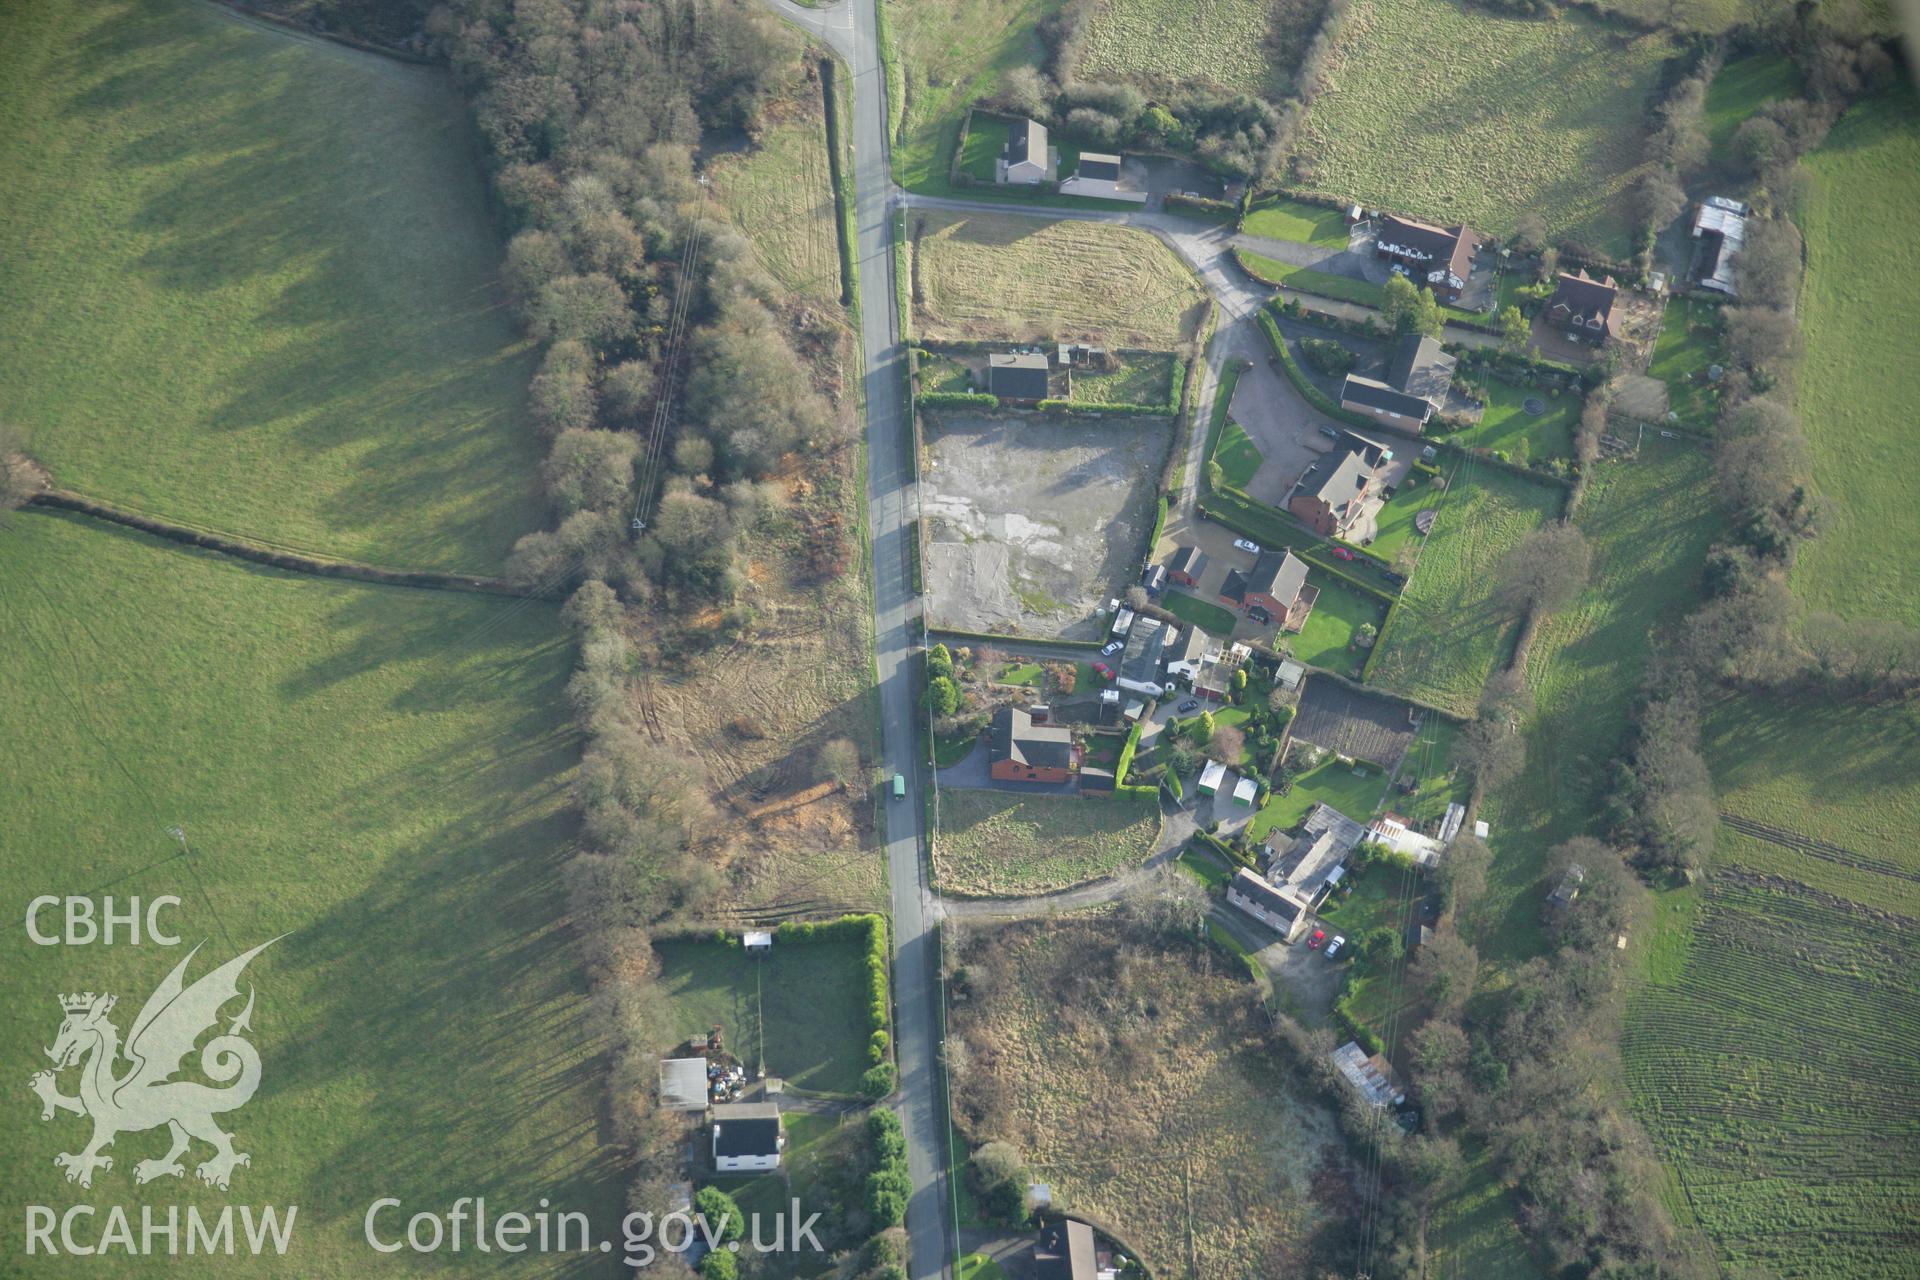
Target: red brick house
x,y
1586,306
1439,258
1333,493
1018,750
1186,566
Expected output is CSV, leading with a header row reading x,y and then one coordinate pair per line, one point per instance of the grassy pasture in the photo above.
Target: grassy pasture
x,y
1005,276
1858,377
1177,43
1649,523
800,1010
992,842
952,52
1456,113
377,773
780,195
1775,1067
251,286
1447,634
1742,87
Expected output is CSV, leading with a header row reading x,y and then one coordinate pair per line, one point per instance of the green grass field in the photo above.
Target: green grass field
x,y
1649,523
1776,1071
1221,43
1429,762
1395,536
1455,113
1327,639
1858,377
251,286
1208,616
1447,634
951,52
1279,218
380,775
1004,276
1506,427
1238,456
1689,344
1742,87
991,842
800,1011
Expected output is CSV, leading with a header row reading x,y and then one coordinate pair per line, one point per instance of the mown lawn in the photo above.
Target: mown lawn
x,y
1204,614
380,775
1002,276
1742,87
1454,113
1279,218
1429,762
1394,534
1238,456
800,1010
1689,344
1327,639
1505,427
1447,633
991,842
1353,789
1859,377
251,286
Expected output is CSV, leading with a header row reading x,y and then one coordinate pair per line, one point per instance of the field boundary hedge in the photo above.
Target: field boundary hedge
x,y
842,185
290,561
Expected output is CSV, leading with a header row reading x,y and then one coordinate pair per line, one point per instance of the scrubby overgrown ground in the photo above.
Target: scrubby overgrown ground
x,y
1454,113
992,843
1138,1079
251,286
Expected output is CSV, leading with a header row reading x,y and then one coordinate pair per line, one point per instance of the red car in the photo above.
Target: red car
x,y
1342,553
1319,936
1102,670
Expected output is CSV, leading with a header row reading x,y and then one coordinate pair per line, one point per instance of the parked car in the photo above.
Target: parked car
x,y
1247,545
1188,707
1333,948
1259,615
1113,647
1343,553
899,786
1319,936
1102,670
1329,433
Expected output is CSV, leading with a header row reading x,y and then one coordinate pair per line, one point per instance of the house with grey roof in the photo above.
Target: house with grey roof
x,y
1028,160
1018,375
1333,492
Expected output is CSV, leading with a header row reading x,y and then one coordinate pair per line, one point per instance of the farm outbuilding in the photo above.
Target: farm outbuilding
x,y
683,1084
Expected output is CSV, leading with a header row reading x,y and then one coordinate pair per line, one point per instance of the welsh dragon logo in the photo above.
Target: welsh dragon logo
x,y
144,1095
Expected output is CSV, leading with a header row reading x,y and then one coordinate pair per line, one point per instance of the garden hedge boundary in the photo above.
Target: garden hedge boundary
x,y
842,185
957,400
939,634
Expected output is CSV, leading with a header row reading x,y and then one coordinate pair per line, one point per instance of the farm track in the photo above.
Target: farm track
x,y
1818,848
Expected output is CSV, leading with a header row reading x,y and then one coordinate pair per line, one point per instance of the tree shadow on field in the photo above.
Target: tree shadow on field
x,y
326,221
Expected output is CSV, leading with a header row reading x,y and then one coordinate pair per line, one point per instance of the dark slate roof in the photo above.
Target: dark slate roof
x,y
1105,168
1378,395
1448,247
1420,368
1014,736
1027,140
1583,298
1279,574
1018,376
746,1129
1235,587
1141,660
1264,895
1191,561
1371,451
